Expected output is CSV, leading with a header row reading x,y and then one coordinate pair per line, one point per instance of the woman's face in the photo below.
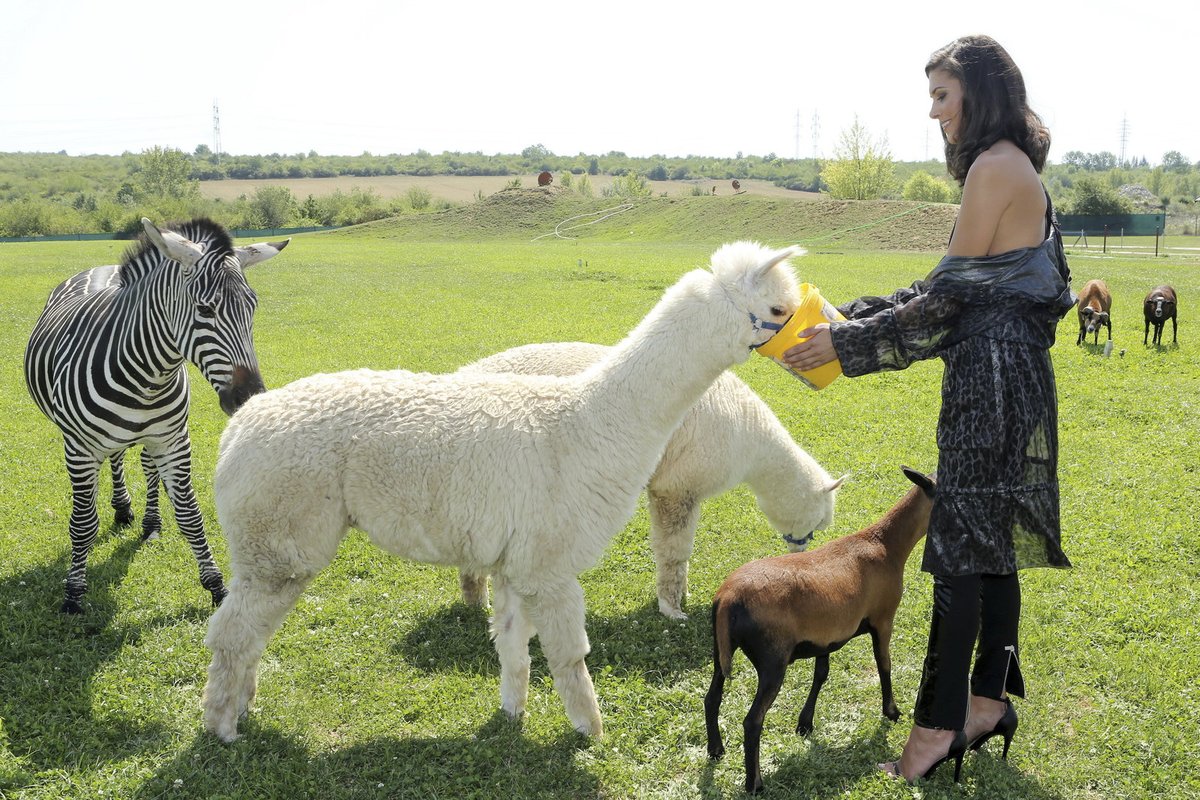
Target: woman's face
x,y
946,91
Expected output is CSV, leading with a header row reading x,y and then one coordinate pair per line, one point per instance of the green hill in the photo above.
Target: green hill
x,y
818,224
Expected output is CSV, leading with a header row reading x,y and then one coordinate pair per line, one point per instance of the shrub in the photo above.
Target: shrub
x,y
419,198
925,187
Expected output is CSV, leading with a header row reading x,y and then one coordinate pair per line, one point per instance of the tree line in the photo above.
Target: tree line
x,y
53,193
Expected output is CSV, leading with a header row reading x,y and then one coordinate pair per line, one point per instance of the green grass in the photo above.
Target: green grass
x,y
382,684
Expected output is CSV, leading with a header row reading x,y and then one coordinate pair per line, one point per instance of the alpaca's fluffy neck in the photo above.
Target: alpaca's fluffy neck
x,y
639,392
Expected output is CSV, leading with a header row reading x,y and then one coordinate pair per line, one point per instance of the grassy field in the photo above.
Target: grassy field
x,y
382,684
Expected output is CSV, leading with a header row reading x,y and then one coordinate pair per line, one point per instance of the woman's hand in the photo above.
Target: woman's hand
x,y
814,352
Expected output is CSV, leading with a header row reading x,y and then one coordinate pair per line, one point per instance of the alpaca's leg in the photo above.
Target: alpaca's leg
x,y
237,635
474,588
672,532
152,519
557,613
511,631
121,502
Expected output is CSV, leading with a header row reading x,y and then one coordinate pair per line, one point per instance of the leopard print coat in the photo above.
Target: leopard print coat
x,y
991,321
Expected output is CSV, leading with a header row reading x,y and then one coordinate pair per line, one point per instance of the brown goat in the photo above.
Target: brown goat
x,y
1095,305
808,605
1159,307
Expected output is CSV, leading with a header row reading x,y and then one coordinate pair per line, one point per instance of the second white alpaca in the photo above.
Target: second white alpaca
x,y
729,437
523,477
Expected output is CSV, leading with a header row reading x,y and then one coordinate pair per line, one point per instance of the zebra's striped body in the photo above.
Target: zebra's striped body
x,y
105,363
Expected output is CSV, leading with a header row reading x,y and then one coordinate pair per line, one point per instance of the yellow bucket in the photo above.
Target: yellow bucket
x,y
813,310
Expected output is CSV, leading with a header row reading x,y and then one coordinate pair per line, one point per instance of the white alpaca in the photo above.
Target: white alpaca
x,y
729,436
523,477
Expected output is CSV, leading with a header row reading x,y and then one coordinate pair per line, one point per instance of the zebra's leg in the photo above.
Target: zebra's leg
x,y
121,502
84,470
152,520
175,469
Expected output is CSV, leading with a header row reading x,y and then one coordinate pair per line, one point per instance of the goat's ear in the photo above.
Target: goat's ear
x,y
1104,316
775,259
926,482
1087,311
833,486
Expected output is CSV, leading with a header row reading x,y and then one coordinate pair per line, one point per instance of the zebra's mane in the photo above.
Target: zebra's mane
x,y
142,255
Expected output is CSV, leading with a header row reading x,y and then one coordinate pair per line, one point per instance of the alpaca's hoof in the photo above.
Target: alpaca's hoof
x,y
671,612
70,606
591,727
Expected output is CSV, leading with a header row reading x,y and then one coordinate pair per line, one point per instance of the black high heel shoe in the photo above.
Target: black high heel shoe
x,y
1006,727
958,749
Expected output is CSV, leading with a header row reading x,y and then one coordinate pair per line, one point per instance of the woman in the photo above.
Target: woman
x,y
989,310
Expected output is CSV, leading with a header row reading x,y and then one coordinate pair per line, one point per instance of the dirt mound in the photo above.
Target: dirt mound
x,y
521,213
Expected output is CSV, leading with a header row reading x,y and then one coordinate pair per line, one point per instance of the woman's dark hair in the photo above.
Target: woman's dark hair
x,y
994,105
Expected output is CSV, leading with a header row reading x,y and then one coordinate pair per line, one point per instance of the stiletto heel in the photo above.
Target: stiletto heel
x,y
1006,727
958,749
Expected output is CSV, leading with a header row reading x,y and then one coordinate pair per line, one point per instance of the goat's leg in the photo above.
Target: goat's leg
x,y
1174,331
804,726
770,680
511,632
237,635
1146,333
121,502
712,710
84,470
557,613
672,534
152,519
881,645
174,465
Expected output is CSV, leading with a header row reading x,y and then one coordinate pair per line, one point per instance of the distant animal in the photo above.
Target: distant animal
x,y
525,477
808,605
1095,306
105,363
1160,305
729,436
545,178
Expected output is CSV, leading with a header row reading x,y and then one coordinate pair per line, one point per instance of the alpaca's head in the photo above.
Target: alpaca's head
x,y
760,284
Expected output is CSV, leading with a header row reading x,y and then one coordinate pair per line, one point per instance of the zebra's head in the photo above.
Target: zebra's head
x,y
215,327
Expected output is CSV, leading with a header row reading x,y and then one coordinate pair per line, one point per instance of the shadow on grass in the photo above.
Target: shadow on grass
x,y
496,762
455,638
49,660
817,768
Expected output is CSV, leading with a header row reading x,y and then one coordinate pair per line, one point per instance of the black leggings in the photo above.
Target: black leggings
x,y
966,607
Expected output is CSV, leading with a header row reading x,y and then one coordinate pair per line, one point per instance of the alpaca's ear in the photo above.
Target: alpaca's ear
x,y
775,259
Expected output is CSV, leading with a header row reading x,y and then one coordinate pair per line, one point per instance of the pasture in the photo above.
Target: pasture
x,y
382,684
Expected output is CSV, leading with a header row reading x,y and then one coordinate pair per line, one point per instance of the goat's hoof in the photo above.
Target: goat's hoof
x,y
716,752
70,606
892,713
754,786
804,727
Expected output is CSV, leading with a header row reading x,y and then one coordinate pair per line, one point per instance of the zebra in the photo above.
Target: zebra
x,y
105,363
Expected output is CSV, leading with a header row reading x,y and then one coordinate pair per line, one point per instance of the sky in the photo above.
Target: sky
x,y
655,77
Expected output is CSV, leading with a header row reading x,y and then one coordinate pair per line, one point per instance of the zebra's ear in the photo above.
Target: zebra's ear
x,y
173,246
253,254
